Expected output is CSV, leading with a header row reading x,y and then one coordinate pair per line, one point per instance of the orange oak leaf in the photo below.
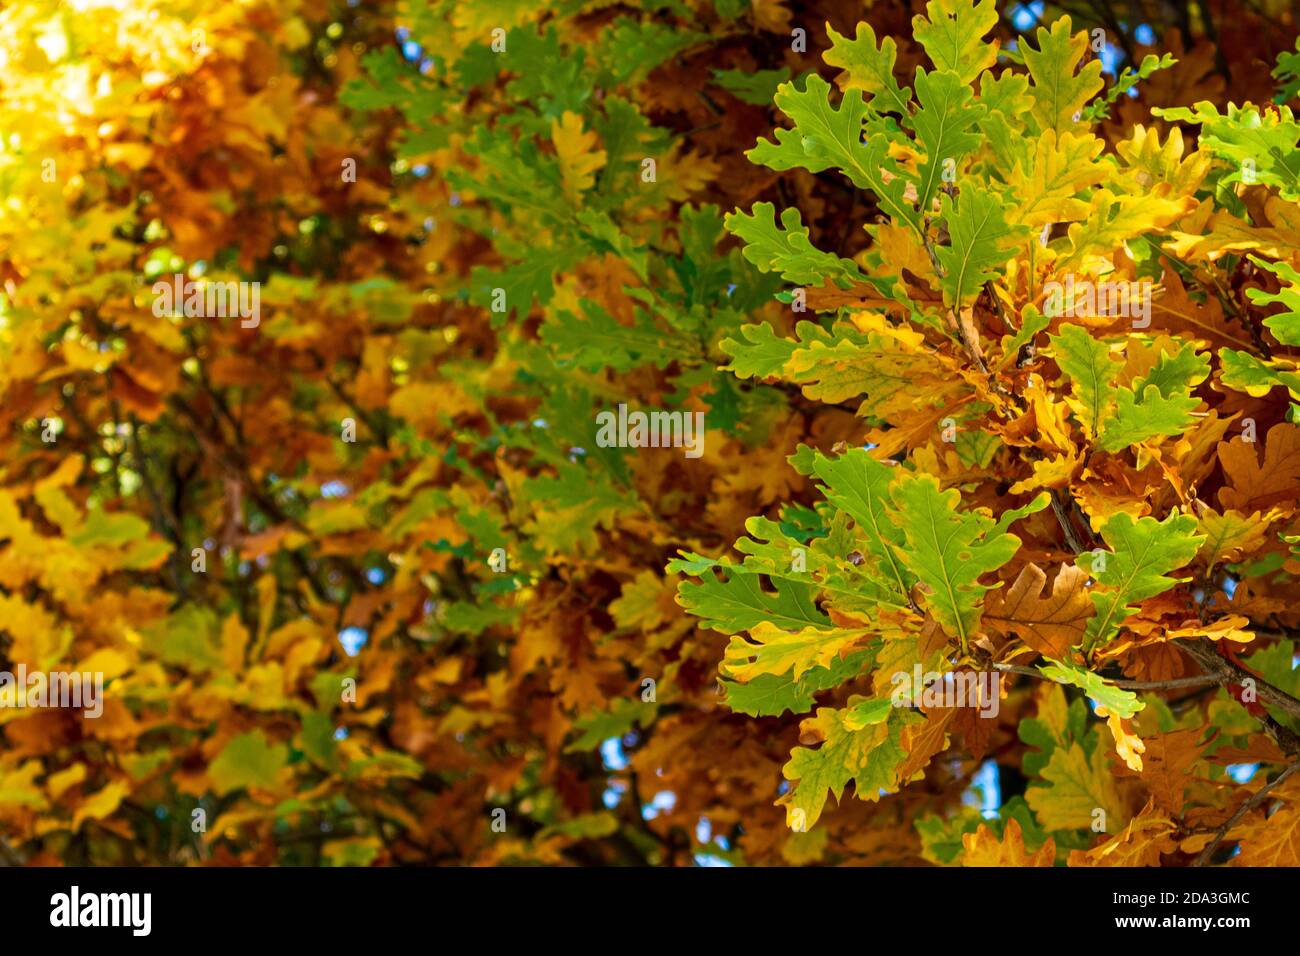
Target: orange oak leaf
x,y
1051,624
1255,486
1167,766
1147,836
985,849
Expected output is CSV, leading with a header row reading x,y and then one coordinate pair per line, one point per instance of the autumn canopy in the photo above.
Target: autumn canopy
x,y
668,433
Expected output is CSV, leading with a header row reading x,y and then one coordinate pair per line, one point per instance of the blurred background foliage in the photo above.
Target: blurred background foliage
x,y
216,139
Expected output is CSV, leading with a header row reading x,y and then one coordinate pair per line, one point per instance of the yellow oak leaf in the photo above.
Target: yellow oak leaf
x,y
1143,841
108,661
234,640
1112,219
771,15
1054,472
101,805
1063,165
776,651
1230,628
1128,745
18,787
984,849
1231,534
578,155
58,783
1077,786
1147,162
1209,232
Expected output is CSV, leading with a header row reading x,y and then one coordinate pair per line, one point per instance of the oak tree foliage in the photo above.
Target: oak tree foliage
x,y
998,356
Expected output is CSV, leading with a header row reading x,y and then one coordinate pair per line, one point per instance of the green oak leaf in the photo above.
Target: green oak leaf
x,y
1075,783
1128,78
756,88
981,241
1140,418
1285,326
1123,703
624,714
828,138
786,248
1058,91
948,550
1091,369
739,603
859,485
1142,553
868,757
952,33
758,352
1260,146
947,127
769,695
1244,372
248,760
871,69
596,340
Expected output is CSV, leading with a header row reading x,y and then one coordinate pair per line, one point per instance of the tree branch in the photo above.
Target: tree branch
x,y
1227,672
1242,810
1180,682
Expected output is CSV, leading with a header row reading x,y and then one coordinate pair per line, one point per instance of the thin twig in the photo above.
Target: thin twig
x,y
1242,810
1063,519
1199,681
971,348
1228,672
